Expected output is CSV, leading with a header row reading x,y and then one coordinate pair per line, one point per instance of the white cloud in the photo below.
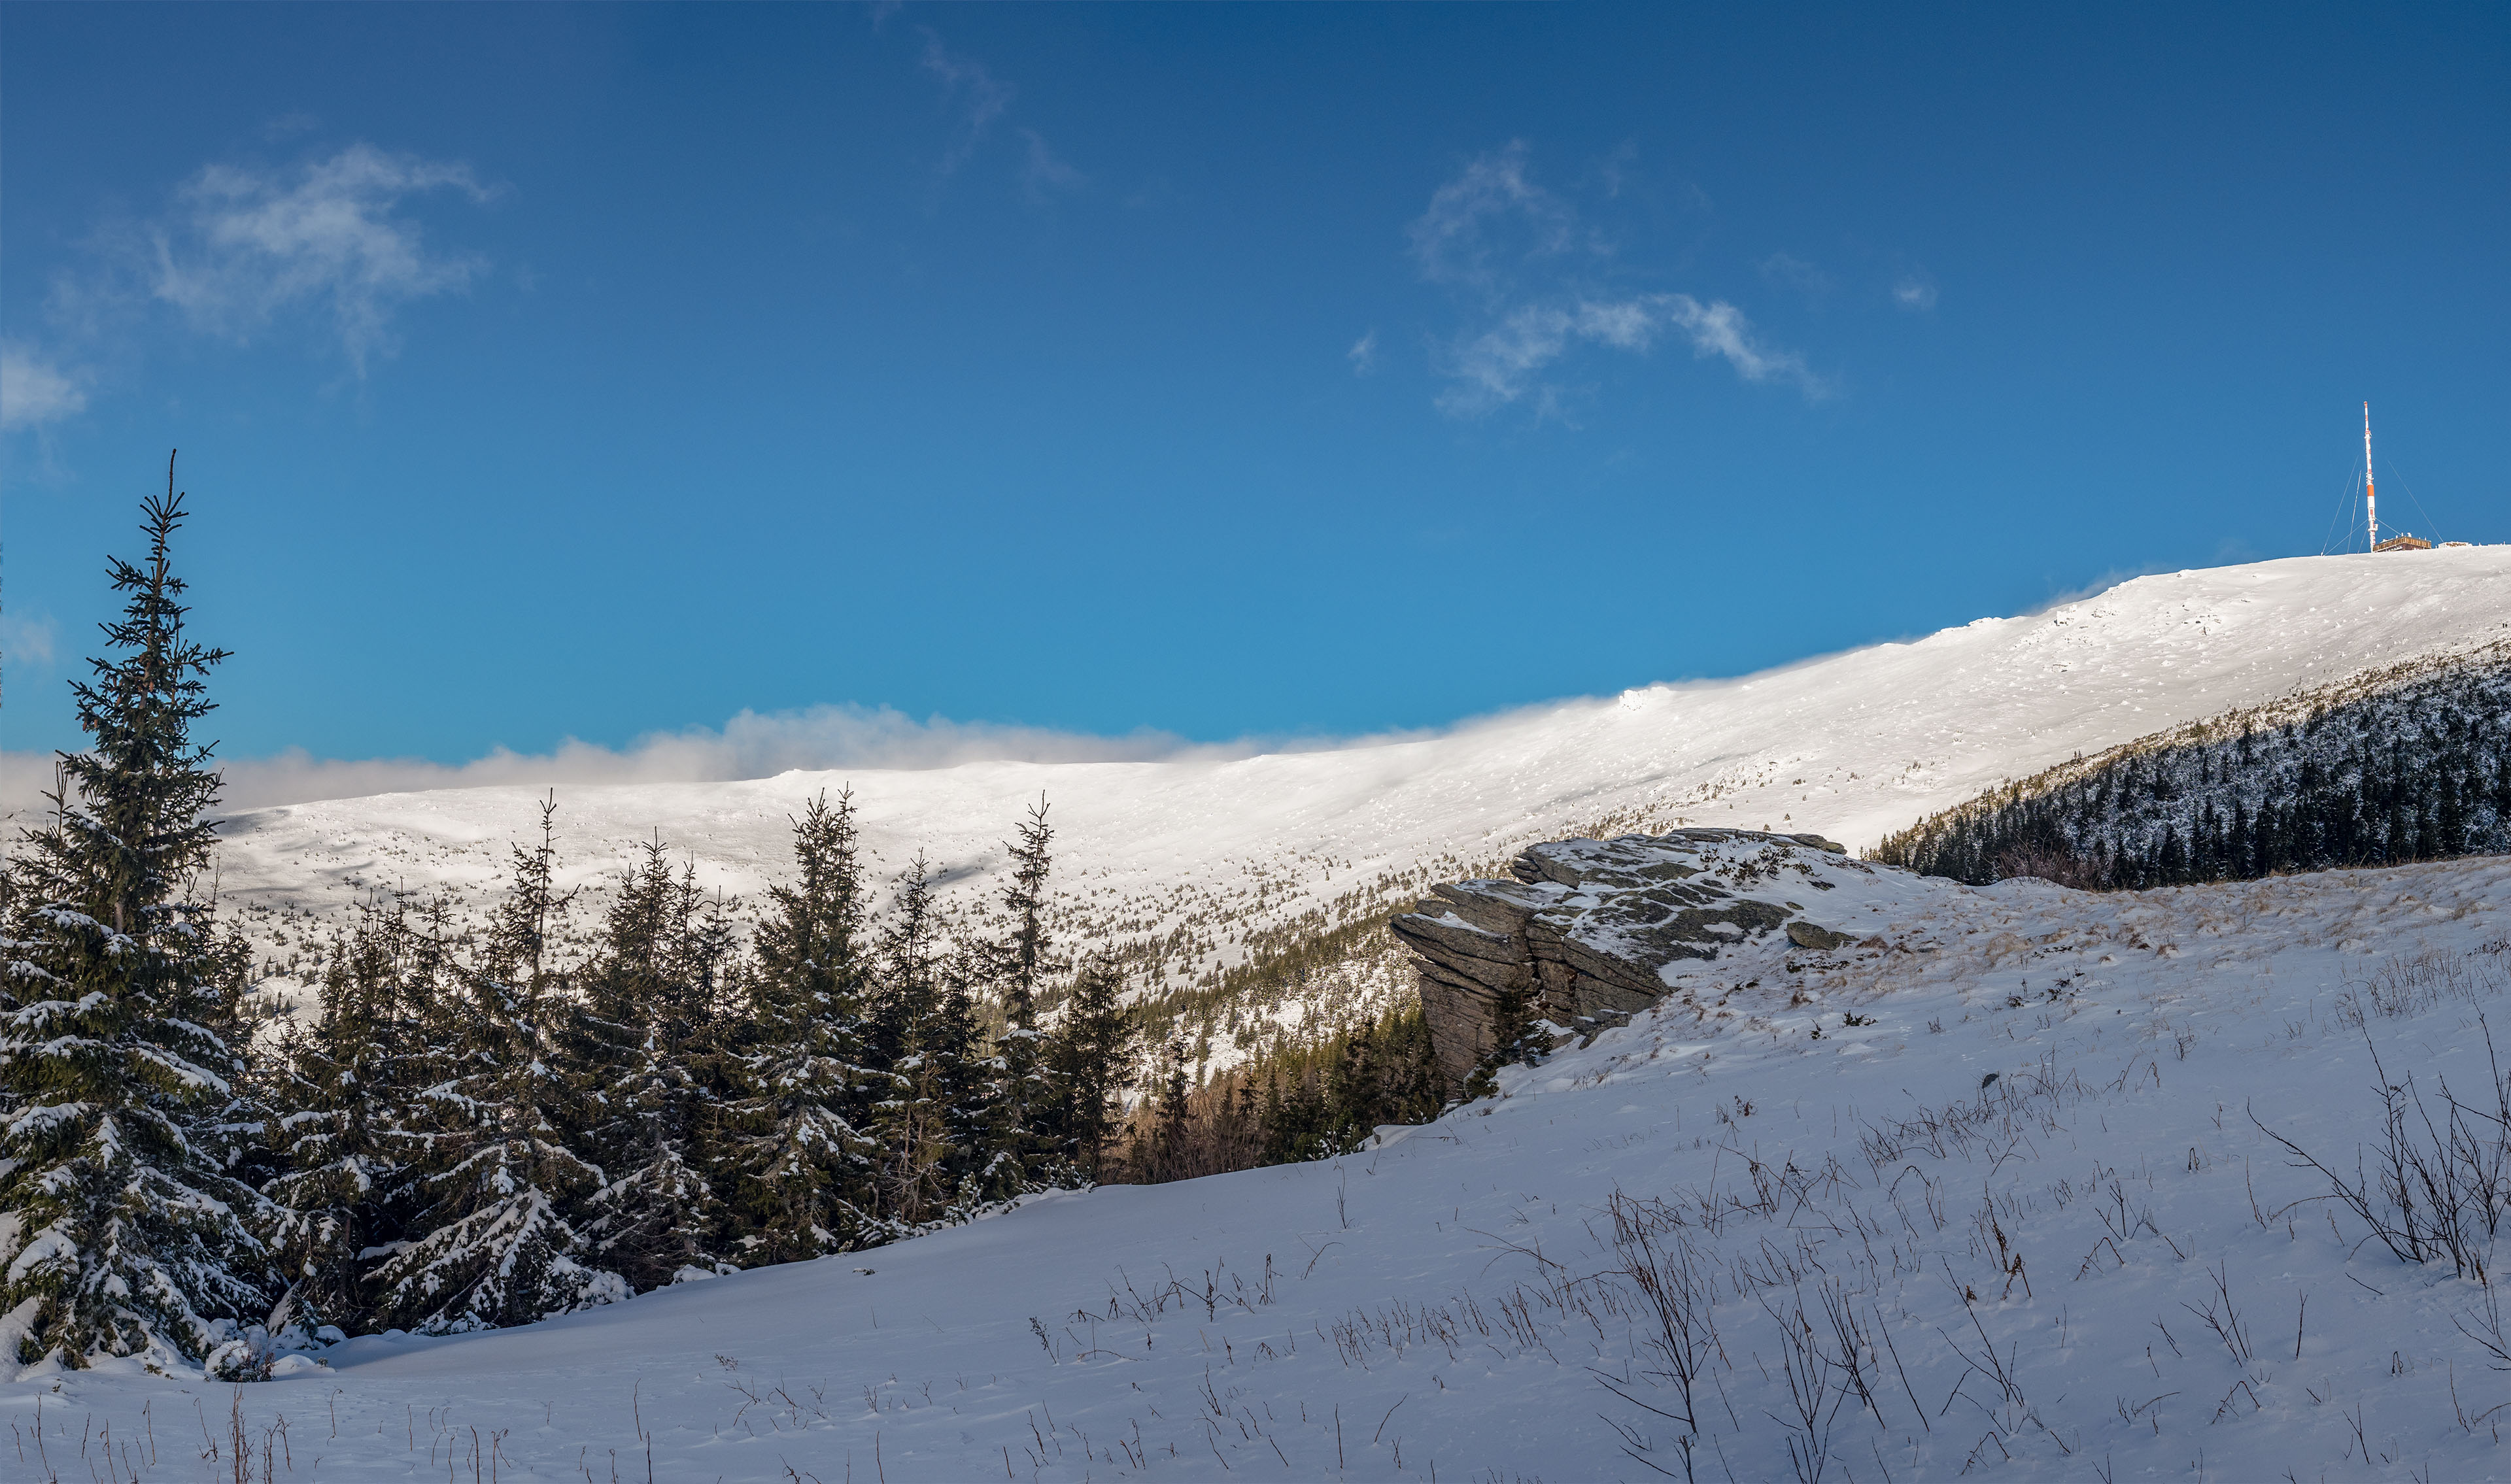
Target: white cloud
x,y
1045,171
246,246
29,643
1511,246
1363,354
1913,292
33,391
1720,329
1458,241
1498,366
750,745
982,99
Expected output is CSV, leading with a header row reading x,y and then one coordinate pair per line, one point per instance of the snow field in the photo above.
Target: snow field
x,y
2095,1265
1191,859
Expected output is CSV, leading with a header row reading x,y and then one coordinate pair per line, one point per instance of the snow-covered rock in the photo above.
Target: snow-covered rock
x,y
1598,929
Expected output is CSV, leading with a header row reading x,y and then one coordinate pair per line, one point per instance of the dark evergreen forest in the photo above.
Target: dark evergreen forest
x,y
480,1128
2411,765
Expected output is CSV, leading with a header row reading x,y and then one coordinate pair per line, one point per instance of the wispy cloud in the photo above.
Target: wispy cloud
x,y
981,98
1491,216
1915,291
34,390
1045,172
28,642
1527,264
1720,329
1499,366
244,246
1363,354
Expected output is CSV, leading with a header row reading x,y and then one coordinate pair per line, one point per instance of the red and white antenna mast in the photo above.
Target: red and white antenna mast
x,y
2371,500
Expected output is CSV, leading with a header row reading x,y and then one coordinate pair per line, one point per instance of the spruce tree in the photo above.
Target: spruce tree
x,y
1355,1088
1298,1123
652,1003
496,1243
1016,1162
910,1112
799,1165
1517,1035
1028,951
351,1128
1173,1132
1090,1058
123,1232
967,1086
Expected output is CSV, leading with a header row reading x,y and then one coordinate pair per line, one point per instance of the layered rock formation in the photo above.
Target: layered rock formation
x,y
1601,929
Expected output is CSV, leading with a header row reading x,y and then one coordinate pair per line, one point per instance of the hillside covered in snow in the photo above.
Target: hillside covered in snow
x,y
1194,864
2022,1189
1902,1178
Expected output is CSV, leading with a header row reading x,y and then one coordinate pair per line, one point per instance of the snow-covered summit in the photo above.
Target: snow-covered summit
x,y
1217,851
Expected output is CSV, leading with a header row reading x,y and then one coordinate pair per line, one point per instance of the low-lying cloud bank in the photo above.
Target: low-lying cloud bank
x,y
748,747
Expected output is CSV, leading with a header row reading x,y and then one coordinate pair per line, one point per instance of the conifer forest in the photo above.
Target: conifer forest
x,y
2411,766
490,1118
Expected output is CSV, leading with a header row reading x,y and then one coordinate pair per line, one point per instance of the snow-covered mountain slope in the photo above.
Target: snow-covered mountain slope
x,y
1204,856
2099,1263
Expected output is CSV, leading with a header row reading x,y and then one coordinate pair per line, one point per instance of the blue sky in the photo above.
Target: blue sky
x,y
550,371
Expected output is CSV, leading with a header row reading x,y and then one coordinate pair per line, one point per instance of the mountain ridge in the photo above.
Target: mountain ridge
x,y
1181,865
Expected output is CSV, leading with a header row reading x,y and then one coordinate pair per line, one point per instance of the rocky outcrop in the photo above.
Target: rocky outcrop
x,y
1601,929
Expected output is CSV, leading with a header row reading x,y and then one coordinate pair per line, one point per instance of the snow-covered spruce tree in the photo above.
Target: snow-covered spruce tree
x,y
349,1125
1090,1058
794,1161
983,1167
495,1242
919,1054
646,1041
124,1231
1015,1159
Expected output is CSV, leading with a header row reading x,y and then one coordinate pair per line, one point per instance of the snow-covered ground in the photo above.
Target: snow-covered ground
x,y
2097,1263
2097,1266
1218,850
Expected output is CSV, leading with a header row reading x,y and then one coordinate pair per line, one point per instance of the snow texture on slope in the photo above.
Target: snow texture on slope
x,y
1852,745
2024,1216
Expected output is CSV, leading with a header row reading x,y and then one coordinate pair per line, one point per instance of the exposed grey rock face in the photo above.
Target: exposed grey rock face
x,y
1598,928
1808,936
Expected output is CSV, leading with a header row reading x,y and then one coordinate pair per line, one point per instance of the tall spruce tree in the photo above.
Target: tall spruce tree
x,y
653,1003
1090,1059
910,1113
497,1243
798,1161
983,1167
350,1127
124,1229
1021,963
1028,951
1173,1124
